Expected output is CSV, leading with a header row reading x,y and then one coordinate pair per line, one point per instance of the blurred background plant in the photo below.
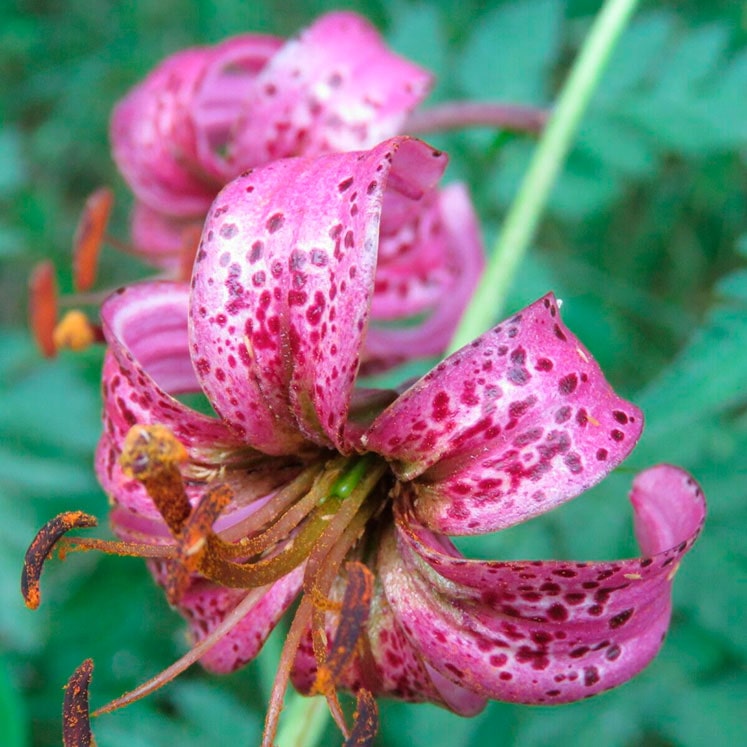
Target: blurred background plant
x,y
645,239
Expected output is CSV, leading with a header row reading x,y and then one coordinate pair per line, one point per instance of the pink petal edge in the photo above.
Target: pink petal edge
x,y
508,427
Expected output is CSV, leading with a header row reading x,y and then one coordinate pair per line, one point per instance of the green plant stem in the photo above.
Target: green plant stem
x,y
524,214
303,721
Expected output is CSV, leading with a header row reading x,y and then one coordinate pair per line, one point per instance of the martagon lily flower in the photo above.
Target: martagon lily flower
x,y
305,484
206,114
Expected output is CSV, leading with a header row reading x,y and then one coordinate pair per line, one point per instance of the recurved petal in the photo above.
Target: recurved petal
x,y
427,268
148,362
153,137
543,632
509,426
220,98
336,87
386,664
205,605
282,286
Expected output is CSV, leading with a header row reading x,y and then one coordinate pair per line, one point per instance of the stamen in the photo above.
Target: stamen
x,y
152,455
89,235
115,547
292,641
285,497
233,618
461,114
43,307
192,543
267,570
353,618
40,548
322,567
76,721
365,721
356,605
278,531
74,332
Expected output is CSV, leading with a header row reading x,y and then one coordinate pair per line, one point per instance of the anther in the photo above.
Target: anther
x,y
356,605
365,721
76,721
40,548
43,307
89,236
152,454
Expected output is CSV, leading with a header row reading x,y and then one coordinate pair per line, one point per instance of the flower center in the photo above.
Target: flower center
x,y
316,520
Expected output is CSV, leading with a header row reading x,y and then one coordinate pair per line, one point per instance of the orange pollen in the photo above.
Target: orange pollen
x,y
74,332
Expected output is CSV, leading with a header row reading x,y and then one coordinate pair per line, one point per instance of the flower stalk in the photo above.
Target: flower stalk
x,y
526,210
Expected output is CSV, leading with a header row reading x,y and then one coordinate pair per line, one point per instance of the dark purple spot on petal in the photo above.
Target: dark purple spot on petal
x,y
275,222
567,385
621,618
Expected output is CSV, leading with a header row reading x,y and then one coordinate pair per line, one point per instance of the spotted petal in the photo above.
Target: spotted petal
x,y
282,286
515,423
334,88
544,632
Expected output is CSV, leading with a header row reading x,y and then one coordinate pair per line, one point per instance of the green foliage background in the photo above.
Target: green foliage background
x,y
645,240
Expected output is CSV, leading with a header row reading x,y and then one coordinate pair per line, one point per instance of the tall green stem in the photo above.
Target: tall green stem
x,y
303,721
524,214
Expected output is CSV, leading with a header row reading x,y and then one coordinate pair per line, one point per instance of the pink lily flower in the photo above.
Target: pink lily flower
x,y
302,471
206,114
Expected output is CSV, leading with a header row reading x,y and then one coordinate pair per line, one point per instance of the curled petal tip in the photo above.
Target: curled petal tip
x,y
42,545
669,508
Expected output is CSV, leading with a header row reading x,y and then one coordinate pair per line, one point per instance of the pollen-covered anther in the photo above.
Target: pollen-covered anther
x,y
76,720
41,547
152,454
365,721
74,332
356,606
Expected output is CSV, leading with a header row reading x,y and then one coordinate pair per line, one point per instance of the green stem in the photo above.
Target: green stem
x,y
524,214
303,721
